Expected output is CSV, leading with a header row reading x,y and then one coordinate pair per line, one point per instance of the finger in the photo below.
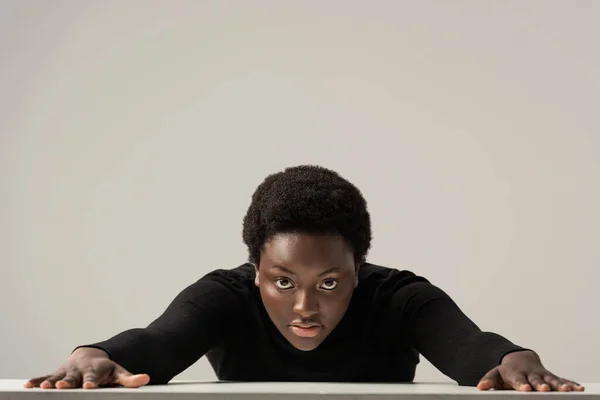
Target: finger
x,y
519,382
491,380
35,382
558,384
49,382
577,386
570,386
90,380
70,381
538,383
129,380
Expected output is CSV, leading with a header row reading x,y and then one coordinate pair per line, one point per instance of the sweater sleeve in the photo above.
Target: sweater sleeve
x,y
191,325
446,337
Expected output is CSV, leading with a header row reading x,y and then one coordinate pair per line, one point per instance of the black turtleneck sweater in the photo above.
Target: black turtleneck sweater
x,y
392,318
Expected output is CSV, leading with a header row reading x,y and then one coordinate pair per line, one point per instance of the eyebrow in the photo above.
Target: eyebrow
x,y
330,270
283,269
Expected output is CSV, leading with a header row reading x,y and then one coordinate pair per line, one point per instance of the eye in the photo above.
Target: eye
x,y
283,283
329,284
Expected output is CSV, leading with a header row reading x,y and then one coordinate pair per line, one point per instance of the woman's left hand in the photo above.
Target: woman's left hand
x,y
523,371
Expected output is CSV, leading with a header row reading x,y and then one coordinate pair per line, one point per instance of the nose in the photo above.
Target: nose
x,y
306,305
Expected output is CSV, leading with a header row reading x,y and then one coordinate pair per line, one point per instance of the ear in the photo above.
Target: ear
x,y
256,276
356,270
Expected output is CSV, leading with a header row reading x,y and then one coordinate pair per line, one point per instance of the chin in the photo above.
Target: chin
x,y
306,346
303,344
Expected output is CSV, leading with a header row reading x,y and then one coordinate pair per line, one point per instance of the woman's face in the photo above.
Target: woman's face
x,y
306,283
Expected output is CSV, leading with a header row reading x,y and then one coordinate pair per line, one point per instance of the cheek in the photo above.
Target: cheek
x,y
268,290
334,307
276,303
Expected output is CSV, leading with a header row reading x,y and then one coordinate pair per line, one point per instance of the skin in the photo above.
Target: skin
x,y
302,279
306,280
88,368
307,258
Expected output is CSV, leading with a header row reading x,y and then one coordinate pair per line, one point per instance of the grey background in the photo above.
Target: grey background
x,y
132,134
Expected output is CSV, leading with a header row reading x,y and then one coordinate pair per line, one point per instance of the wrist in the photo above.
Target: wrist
x,y
89,352
515,356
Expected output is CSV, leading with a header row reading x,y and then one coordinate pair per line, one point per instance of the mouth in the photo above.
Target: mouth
x,y
306,330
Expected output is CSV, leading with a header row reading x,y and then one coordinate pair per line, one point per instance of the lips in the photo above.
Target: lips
x,y
306,330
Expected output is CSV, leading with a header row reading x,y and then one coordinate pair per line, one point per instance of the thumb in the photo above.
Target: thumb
x,y
128,380
491,380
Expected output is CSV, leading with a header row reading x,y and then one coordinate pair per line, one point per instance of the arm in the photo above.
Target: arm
x,y
191,325
444,335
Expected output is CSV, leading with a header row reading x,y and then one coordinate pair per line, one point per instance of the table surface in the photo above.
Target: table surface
x,y
12,389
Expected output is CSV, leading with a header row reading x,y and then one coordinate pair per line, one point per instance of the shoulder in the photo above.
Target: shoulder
x,y
240,278
241,273
386,285
378,277
398,293
401,290
233,284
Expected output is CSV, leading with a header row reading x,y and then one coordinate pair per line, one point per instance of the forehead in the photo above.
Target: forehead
x,y
307,250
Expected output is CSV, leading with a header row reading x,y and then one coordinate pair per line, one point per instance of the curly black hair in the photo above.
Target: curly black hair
x,y
307,199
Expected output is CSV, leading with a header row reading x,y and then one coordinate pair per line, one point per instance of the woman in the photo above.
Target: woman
x,y
308,307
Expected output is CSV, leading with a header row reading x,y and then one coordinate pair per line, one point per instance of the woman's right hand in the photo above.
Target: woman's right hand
x,y
89,368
